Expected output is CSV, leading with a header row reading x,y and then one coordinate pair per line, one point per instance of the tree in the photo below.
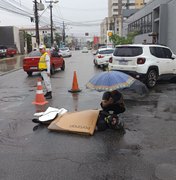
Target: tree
x,y
117,40
58,38
28,40
46,40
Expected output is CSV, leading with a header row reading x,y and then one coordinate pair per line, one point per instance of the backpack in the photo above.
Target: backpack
x,y
106,120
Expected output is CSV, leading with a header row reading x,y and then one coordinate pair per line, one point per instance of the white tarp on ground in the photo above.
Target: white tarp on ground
x,y
50,114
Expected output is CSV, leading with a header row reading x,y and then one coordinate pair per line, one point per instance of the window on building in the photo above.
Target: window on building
x,y
142,25
115,10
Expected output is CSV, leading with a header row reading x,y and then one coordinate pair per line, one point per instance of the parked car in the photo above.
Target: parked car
x,y
144,62
65,52
77,48
30,62
5,51
85,50
101,58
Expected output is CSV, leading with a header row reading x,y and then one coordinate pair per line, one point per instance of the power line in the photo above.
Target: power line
x,y
84,9
20,9
13,11
12,7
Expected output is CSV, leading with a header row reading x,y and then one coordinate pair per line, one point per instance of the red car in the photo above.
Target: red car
x,y
11,52
30,62
5,52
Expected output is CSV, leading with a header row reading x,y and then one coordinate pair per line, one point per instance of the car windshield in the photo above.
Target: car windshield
x,y
109,51
64,49
128,51
34,54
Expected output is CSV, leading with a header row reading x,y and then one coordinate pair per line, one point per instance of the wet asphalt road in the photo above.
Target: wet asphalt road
x,y
147,151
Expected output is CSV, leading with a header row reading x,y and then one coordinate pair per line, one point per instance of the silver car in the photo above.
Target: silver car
x,y
65,52
102,56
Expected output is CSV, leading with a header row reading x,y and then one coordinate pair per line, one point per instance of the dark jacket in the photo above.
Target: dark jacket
x,y
114,107
117,106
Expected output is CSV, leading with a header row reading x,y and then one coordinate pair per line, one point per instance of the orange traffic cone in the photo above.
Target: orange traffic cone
x,y
39,98
75,87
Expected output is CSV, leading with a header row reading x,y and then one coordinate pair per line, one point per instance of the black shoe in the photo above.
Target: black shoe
x,y
48,95
36,121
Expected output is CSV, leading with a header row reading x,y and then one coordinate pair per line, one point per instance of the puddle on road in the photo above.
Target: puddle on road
x,y
133,103
17,133
9,64
6,104
129,144
12,99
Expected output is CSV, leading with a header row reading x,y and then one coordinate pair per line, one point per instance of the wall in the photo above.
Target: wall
x,y
140,38
171,28
10,37
7,36
22,42
16,36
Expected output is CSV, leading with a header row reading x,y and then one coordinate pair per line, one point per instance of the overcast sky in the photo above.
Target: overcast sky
x,y
79,16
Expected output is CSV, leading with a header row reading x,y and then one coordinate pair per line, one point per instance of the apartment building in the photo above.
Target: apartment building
x,y
118,10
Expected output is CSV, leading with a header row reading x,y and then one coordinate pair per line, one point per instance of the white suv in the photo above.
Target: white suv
x,y
144,62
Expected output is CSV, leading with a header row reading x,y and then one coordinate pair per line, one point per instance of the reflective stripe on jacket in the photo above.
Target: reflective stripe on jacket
x,y
42,62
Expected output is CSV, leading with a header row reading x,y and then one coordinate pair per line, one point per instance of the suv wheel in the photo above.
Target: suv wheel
x,y
151,78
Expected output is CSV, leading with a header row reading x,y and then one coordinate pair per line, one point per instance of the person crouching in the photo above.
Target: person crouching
x,y
112,104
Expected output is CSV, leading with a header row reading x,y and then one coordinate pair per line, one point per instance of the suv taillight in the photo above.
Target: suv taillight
x,y
100,56
141,60
110,59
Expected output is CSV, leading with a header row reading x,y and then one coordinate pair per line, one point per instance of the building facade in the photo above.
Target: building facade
x,y
10,37
117,11
44,37
155,23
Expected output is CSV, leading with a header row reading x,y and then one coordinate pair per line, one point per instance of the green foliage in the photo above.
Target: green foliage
x,y
58,38
26,35
46,41
117,40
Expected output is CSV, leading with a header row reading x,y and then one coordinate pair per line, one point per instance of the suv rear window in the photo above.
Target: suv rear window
x,y
128,51
109,51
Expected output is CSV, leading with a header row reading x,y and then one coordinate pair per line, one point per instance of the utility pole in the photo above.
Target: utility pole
x,y
51,17
63,33
36,21
51,22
